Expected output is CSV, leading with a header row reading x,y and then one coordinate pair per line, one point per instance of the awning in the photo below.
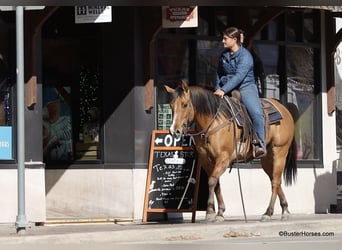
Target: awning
x,y
306,3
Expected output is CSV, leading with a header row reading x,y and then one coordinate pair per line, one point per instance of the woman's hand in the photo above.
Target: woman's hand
x,y
219,92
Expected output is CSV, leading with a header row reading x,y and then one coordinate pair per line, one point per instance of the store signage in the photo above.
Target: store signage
x,y
173,177
179,16
93,14
5,143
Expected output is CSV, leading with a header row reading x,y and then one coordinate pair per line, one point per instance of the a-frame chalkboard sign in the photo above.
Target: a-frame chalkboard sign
x,y
173,177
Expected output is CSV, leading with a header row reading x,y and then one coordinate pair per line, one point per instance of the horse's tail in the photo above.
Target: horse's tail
x,y
290,172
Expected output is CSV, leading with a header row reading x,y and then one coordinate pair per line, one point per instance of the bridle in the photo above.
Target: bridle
x,y
206,132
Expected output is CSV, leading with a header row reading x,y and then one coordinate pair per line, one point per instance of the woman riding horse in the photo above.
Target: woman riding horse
x,y
235,71
218,143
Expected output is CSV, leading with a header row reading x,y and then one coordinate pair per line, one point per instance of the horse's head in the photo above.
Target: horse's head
x,y
182,109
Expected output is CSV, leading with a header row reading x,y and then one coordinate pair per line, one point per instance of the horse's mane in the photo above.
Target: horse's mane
x,y
205,102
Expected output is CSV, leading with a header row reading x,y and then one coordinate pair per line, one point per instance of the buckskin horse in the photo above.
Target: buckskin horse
x,y
220,141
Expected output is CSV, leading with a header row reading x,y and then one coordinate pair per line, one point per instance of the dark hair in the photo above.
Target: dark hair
x,y
234,32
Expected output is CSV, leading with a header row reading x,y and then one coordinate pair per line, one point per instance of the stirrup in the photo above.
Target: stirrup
x,y
259,152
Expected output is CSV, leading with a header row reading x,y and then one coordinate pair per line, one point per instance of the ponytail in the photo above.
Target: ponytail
x,y
242,36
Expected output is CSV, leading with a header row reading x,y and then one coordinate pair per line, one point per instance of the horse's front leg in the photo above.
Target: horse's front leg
x,y
220,202
211,215
214,187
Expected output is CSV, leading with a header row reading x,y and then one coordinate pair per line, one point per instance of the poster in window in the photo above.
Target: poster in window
x,y
5,143
57,128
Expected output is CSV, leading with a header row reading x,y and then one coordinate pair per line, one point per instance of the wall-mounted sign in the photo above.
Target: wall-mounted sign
x,y
180,16
6,143
93,14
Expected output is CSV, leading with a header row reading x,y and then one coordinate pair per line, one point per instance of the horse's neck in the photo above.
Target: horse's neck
x,y
203,122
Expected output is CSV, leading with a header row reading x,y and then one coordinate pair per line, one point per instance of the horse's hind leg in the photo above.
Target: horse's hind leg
x,y
274,172
285,214
270,209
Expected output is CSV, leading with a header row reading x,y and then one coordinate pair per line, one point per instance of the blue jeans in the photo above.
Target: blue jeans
x,y
250,98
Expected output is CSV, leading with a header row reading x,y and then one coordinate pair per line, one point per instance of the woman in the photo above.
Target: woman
x,y
235,71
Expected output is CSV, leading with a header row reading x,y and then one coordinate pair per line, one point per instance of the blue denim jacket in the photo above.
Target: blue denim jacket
x,y
235,71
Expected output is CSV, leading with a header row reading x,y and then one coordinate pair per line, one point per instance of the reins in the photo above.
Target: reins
x,y
205,133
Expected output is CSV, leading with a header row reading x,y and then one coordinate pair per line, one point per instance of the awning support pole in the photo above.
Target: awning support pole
x,y
20,223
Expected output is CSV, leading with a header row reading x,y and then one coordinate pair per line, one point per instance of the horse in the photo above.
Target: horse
x,y
218,142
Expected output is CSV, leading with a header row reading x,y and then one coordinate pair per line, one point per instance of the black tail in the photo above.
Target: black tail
x,y
290,172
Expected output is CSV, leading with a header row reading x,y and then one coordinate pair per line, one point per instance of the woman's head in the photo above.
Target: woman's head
x,y
232,35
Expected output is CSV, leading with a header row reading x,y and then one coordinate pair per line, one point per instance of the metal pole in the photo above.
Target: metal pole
x,y
21,217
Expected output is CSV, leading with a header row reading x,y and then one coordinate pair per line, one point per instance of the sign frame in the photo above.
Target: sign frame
x,y
170,147
93,14
179,16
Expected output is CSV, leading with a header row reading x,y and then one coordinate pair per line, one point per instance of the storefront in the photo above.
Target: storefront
x,y
94,93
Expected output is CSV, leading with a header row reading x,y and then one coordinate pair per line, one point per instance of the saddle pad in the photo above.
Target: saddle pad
x,y
274,115
270,110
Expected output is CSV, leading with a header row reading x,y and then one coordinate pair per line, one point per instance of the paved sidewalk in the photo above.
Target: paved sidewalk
x,y
326,226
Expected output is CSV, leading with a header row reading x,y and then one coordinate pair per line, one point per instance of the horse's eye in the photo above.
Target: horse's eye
x,y
185,105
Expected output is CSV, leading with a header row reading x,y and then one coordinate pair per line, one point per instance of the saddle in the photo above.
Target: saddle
x,y
242,118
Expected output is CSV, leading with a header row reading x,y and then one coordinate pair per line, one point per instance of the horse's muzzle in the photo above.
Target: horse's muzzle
x,y
176,133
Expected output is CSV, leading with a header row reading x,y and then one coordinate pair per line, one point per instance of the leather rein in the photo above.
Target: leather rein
x,y
205,133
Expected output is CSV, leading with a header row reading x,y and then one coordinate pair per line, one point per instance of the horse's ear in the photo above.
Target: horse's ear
x,y
169,89
185,86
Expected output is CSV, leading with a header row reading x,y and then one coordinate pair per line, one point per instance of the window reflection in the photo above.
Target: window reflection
x,y
299,79
173,66
208,53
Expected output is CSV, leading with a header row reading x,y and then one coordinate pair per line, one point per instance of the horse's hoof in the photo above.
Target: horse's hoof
x,y
265,218
285,217
219,218
211,217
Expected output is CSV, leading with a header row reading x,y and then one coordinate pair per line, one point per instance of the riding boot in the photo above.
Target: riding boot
x,y
259,150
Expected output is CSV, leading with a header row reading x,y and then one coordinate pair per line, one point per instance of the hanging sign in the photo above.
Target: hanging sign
x,y
179,16
93,14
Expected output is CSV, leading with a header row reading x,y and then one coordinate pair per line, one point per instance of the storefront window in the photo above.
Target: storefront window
x,y
72,83
289,69
71,117
300,88
6,110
